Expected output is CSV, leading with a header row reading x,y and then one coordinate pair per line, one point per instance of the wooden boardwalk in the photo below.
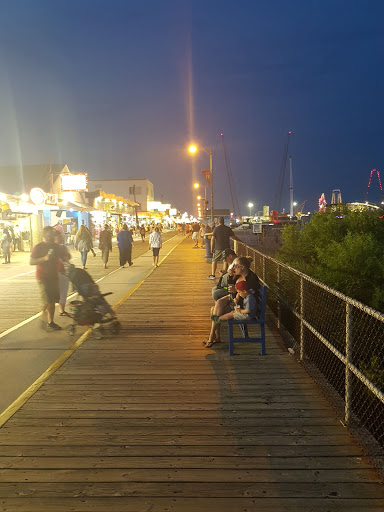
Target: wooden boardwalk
x,y
150,420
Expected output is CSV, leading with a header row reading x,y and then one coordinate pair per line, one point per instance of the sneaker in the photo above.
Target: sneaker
x,y
130,264
53,327
211,277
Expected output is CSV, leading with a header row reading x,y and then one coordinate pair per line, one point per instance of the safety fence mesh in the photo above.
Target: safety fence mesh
x,y
341,338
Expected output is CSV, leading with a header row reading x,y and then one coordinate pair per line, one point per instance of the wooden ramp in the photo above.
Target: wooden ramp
x,y
150,420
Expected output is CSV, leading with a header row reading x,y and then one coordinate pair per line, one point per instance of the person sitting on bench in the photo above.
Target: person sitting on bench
x,y
226,304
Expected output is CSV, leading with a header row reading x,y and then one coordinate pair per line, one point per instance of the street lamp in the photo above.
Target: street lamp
x,y
196,186
194,149
250,206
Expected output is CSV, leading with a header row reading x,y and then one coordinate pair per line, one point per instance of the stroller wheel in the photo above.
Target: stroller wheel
x,y
71,330
115,327
98,333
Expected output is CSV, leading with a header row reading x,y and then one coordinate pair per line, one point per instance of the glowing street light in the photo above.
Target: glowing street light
x,y
196,186
250,206
194,149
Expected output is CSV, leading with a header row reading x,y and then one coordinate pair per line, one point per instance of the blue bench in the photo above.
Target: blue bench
x,y
244,326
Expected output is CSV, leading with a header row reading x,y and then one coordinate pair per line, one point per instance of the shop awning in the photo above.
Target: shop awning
x,y
118,199
77,206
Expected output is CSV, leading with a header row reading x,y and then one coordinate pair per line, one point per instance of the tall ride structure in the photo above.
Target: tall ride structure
x,y
232,186
336,196
369,185
281,176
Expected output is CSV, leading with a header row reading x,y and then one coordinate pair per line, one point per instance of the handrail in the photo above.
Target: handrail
x,y
338,335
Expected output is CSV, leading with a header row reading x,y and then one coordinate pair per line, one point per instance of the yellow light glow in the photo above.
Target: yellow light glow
x,y
199,197
192,149
24,197
3,197
198,204
196,185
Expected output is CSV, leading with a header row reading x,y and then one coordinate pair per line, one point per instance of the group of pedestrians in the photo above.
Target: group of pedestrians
x,y
51,256
237,291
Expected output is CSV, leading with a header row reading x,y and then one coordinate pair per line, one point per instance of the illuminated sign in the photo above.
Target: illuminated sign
x,y
158,205
37,196
52,199
74,182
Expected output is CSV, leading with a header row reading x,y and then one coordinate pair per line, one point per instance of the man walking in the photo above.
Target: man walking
x,y
45,256
155,243
220,242
195,234
16,238
125,244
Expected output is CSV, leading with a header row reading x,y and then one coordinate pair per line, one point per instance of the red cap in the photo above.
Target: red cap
x,y
241,285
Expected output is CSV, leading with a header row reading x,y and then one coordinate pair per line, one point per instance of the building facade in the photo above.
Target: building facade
x,y
137,190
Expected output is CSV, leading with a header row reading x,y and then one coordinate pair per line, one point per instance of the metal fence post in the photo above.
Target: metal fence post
x,y
348,361
301,318
263,269
278,297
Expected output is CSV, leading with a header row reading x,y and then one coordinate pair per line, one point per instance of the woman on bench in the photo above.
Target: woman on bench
x,y
227,304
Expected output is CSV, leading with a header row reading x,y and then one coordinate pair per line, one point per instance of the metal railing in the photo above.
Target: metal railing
x,y
340,340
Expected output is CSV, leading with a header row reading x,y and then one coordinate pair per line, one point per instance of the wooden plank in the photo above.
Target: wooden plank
x,y
117,503
79,438
188,462
51,449
177,422
275,475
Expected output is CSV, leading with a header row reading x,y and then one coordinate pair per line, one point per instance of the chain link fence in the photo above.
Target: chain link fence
x,y
338,339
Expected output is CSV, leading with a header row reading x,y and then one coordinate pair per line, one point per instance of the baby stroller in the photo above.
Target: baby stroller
x,y
94,310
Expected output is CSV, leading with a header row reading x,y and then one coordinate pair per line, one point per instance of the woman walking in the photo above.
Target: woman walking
x,y
155,243
83,243
105,244
125,244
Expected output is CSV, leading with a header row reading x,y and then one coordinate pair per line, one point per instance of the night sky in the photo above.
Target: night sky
x,y
119,88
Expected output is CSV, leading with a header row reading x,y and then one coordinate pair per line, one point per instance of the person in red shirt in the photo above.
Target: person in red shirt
x,y
46,256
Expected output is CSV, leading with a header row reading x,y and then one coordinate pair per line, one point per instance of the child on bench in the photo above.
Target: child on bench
x,y
244,298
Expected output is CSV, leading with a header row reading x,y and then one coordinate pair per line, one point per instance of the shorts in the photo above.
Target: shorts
x,y
49,290
155,251
219,256
63,288
241,316
195,235
229,305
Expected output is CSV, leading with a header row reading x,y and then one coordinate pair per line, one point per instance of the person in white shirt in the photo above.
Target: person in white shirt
x,y
155,243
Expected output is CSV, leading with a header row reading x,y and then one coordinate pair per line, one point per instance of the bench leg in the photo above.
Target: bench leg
x,y
230,338
262,337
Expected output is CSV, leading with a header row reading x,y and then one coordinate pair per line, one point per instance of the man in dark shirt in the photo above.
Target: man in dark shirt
x,y
195,234
220,241
45,256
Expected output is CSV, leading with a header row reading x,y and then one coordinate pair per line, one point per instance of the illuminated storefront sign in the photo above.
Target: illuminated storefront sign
x,y
52,199
74,182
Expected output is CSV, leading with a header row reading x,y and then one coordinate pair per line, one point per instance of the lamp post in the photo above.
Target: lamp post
x,y
250,206
194,149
